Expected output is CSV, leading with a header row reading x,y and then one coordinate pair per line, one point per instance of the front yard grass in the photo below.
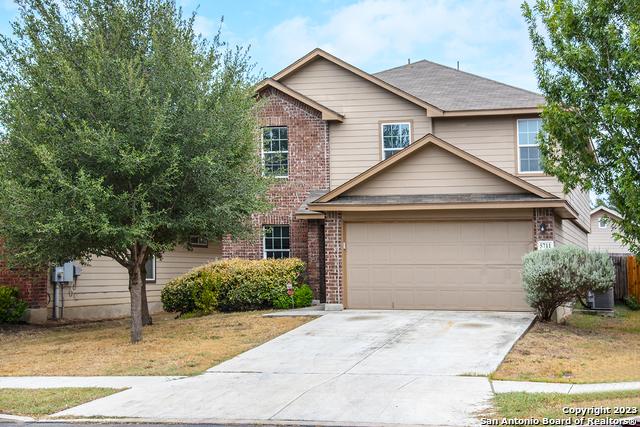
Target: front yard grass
x,y
550,405
588,348
47,401
170,346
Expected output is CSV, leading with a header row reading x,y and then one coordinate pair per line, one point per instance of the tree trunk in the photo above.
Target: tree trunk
x,y
135,289
144,305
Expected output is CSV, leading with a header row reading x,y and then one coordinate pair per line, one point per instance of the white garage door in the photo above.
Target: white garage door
x,y
437,265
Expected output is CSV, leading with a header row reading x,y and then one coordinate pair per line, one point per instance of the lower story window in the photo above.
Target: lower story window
x,y
150,267
276,241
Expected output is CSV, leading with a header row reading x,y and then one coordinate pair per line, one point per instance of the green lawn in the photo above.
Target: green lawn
x,y
550,405
41,402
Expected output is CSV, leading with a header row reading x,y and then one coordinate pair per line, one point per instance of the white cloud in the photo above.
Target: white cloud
x,y
486,37
9,5
205,26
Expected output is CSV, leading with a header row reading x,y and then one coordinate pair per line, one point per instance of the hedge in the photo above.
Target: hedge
x,y
232,285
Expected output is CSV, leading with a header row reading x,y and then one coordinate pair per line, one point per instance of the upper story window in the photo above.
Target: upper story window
x,y
528,146
276,241
275,151
395,136
602,222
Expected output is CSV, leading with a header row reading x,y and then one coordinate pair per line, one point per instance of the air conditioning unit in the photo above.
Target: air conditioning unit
x,y
601,300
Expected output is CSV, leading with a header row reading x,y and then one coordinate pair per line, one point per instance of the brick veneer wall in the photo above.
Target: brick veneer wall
x,y
315,256
333,257
543,216
31,283
308,170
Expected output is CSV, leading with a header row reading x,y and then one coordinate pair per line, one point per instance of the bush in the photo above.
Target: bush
x,y
302,297
632,302
553,277
12,308
231,285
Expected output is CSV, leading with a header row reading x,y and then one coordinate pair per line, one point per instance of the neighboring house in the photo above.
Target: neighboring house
x,y
416,187
602,229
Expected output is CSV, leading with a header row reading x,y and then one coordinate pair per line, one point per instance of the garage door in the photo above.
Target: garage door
x,y
437,265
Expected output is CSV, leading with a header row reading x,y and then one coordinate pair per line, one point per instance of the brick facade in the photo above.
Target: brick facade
x,y
316,256
31,283
333,227
308,151
543,216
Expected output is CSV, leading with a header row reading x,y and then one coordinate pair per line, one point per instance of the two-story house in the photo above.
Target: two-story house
x,y
415,187
418,187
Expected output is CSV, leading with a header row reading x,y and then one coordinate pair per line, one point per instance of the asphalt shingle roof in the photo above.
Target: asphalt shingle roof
x,y
453,90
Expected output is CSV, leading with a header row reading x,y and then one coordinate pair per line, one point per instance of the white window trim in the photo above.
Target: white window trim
x,y
155,266
264,240
518,146
602,222
395,150
273,152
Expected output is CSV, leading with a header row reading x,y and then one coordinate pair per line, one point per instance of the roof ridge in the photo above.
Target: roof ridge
x,y
400,66
462,71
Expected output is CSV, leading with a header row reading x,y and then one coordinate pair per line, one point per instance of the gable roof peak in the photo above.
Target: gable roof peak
x,y
430,139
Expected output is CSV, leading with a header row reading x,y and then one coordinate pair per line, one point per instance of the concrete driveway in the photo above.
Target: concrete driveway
x,y
370,367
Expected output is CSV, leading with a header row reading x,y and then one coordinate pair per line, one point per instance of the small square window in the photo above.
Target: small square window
x,y
276,241
395,137
275,151
602,222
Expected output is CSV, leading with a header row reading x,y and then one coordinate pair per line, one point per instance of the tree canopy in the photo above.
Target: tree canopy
x,y
588,68
124,134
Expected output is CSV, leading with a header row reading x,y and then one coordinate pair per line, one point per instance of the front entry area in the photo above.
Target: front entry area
x,y
442,265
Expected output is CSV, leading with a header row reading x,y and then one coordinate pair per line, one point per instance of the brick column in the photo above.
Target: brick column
x,y
333,257
542,217
315,254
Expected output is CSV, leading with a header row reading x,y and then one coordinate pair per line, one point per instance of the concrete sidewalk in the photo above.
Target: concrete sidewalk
x,y
538,387
105,382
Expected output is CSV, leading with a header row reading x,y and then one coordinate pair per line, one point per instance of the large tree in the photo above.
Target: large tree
x,y
588,68
123,134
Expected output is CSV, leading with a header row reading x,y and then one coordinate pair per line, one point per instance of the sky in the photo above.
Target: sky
x,y
487,37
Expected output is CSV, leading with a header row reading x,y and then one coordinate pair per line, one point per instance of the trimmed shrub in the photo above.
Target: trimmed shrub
x,y
231,285
553,277
302,297
12,308
632,302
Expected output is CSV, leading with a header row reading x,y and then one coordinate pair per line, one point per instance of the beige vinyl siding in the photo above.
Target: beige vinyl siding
x,y
568,233
355,144
602,238
433,170
581,202
493,139
102,288
490,138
